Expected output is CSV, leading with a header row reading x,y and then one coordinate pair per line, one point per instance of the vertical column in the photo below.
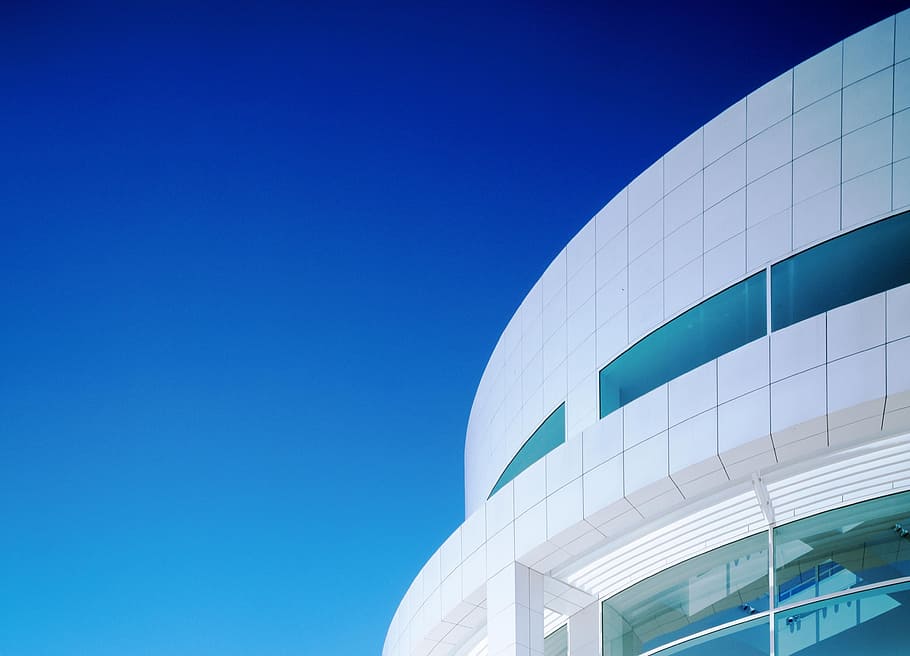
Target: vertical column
x,y
515,612
583,631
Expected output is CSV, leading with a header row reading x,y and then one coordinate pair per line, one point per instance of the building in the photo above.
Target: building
x,y
693,436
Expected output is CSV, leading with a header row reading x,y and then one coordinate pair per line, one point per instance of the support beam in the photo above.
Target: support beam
x,y
584,631
515,612
764,499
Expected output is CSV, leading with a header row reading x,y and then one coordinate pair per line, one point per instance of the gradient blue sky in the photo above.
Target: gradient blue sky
x,y
252,263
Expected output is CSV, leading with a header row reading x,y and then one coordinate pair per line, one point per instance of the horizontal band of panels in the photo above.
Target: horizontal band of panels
x,y
860,263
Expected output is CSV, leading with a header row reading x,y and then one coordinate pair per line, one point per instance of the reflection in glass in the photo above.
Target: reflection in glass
x,y
870,622
557,643
747,639
720,586
842,549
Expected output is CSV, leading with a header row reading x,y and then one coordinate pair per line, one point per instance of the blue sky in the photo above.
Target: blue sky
x,y
252,262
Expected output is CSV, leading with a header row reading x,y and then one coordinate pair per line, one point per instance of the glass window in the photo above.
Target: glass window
x,y
841,549
847,268
549,435
726,321
746,639
720,586
557,643
870,622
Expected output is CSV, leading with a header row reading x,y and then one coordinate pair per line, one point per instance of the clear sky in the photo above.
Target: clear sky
x,y
252,263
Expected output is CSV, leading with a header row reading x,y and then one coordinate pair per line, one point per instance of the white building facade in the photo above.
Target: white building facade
x,y
694,434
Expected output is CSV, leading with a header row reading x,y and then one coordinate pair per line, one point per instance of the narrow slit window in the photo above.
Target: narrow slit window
x,y
549,435
861,263
724,322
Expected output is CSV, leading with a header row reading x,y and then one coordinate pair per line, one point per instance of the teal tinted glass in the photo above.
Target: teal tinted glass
x,y
858,264
746,639
549,435
842,549
727,584
873,622
557,643
724,322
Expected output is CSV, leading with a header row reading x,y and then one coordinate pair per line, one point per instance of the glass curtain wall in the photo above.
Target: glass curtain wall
x,y
841,585
727,584
872,622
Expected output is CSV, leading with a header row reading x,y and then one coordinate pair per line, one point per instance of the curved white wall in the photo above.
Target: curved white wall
x,y
593,545
809,417
816,151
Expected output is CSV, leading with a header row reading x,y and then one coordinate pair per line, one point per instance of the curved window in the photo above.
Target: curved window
x,y
840,582
724,585
746,639
549,435
842,549
724,322
855,265
870,622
